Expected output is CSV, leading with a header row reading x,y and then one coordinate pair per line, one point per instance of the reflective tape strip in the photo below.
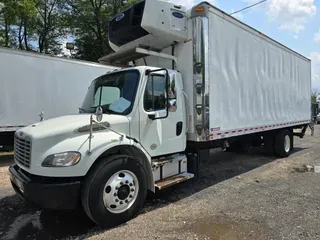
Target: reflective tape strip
x,y
10,126
239,132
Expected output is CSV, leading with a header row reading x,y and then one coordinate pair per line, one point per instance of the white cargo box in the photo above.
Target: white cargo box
x,y
238,81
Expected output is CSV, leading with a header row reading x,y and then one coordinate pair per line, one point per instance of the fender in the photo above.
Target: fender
x,y
103,143
129,148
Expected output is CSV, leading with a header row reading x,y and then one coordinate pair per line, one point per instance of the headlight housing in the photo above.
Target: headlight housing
x,y
65,159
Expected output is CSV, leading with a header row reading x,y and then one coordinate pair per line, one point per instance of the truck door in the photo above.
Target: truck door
x,y
162,115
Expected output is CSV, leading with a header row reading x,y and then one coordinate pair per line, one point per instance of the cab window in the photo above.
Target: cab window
x,y
155,93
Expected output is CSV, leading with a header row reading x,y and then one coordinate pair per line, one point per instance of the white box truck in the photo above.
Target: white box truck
x,y
207,80
31,83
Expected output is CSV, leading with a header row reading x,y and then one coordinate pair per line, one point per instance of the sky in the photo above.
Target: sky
x,y
294,23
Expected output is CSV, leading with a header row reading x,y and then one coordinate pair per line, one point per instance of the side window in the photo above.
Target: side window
x,y
155,94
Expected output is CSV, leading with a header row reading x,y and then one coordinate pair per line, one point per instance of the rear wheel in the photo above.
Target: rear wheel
x,y
283,143
114,191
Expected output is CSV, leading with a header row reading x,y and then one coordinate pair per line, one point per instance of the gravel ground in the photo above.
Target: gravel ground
x,y
238,196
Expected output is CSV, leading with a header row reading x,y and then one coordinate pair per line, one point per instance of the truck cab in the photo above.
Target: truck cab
x,y
129,137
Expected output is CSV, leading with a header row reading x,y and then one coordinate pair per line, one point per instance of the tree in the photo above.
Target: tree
x,y
7,18
89,20
314,96
48,24
43,24
26,14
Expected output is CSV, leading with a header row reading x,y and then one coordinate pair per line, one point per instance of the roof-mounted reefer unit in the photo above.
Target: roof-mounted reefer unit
x,y
154,24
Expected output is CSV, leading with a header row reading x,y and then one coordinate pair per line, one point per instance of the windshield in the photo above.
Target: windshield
x,y
114,92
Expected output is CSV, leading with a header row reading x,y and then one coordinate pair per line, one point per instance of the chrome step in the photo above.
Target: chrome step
x,y
168,182
169,166
164,160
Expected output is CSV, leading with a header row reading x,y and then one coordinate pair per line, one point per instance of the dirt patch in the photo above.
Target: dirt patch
x,y
223,229
5,186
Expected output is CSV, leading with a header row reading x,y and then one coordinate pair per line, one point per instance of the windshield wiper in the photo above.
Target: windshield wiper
x,y
110,111
105,109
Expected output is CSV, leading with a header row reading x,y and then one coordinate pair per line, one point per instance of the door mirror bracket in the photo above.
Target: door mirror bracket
x,y
152,116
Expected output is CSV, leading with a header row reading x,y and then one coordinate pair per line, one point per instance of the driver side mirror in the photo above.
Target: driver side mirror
x,y
99,114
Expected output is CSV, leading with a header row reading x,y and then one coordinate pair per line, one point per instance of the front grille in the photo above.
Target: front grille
x,y
22,151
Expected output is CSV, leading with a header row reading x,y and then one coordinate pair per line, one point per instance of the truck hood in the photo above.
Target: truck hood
x,y
66,125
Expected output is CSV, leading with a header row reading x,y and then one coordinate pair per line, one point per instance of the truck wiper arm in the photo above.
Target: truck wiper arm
x,y
109,110
105,109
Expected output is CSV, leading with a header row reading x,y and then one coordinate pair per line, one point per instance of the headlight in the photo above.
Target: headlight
x,y
65,159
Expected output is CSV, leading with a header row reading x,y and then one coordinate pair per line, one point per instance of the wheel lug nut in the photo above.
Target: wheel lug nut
x,y
115,194
117,188
126,201
121,183
117,200
127,181
130,196
130,184
132,190
121,202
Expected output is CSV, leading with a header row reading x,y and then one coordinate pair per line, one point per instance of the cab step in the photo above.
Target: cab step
x,y
168,182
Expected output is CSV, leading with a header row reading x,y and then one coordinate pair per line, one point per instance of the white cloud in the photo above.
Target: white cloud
x,y
315,58
291,15
186,3
189,3
317,37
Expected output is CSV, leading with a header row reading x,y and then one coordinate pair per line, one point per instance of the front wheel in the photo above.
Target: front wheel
x,y
114,190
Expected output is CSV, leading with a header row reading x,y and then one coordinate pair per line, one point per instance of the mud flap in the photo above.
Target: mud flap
x,y
193,164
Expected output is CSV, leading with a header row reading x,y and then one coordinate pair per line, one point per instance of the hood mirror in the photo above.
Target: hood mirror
x,y
99,114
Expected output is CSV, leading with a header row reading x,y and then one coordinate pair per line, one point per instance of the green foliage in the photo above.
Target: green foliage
x,y
7,18
314,96
42,25
89,20
48,25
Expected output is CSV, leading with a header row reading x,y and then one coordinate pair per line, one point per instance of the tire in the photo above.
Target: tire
x,y
118,175
283,143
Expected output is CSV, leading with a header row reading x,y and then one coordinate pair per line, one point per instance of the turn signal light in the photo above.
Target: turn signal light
x,y
200,9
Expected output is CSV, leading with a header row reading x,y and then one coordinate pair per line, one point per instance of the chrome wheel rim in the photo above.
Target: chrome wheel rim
x,y
121,191
287,143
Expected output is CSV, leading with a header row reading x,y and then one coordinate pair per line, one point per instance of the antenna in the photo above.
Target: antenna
x,y
248,7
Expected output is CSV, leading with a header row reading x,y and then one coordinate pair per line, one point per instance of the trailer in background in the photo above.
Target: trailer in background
x,y
315,112
31,83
